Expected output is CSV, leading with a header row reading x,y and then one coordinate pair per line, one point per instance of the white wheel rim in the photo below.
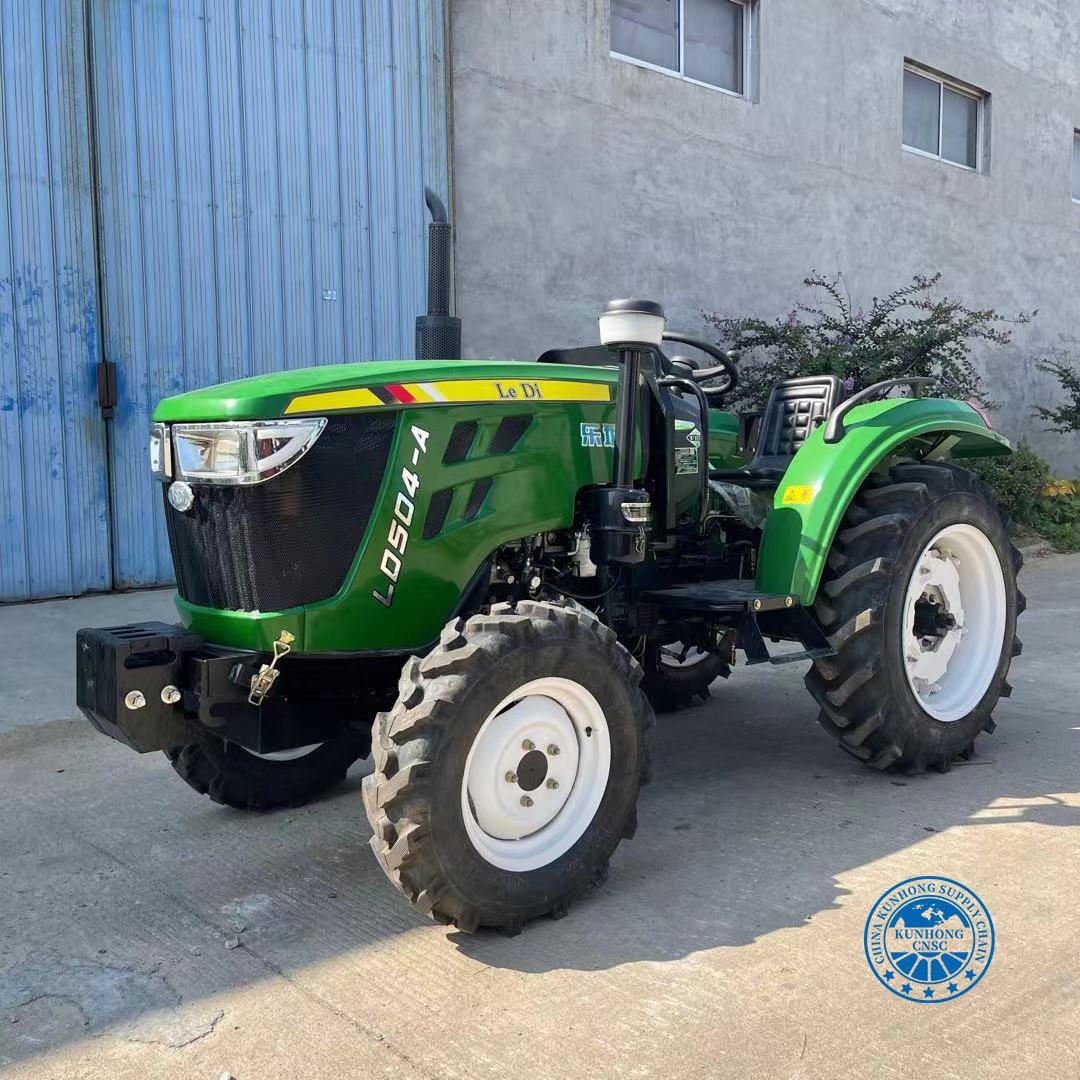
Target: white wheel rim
x,y
562,722
959,576
285,755
678,655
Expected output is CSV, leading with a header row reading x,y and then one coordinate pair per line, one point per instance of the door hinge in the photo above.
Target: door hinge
x,y
106,388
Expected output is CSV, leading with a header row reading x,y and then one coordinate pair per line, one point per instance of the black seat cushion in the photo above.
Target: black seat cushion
x,y
794,409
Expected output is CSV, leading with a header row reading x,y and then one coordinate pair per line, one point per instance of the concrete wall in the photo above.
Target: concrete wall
x,y
579,177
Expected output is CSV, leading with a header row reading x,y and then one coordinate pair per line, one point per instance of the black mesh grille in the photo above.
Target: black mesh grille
x,y
460,442
437,511
291,540
508,432
476,498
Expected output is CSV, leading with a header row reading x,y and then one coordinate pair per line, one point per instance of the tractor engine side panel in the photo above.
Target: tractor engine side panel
x,y
460,481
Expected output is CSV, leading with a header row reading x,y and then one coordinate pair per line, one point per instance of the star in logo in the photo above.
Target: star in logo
x,y
953,988
889,976
928,992
969,974
906,988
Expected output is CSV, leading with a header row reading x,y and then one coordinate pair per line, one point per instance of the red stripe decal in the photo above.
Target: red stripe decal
x,y
401,394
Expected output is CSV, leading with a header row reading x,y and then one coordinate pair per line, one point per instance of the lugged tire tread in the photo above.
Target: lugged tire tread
x,y
849,687
394,795
230,776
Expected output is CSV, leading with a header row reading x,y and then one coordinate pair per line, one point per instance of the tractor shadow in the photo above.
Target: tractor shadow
x,y
138,905
754,814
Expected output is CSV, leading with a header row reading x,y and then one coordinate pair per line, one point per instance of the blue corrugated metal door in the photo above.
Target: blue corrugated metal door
x,y
54,525
260,175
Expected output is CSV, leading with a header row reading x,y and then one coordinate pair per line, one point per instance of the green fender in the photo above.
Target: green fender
x,y
823,478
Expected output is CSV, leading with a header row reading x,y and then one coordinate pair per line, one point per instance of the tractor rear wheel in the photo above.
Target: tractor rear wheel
x,y
920,601
507,772
244,780
675,674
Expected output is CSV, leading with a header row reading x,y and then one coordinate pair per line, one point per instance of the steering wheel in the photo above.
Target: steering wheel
x,y
726,368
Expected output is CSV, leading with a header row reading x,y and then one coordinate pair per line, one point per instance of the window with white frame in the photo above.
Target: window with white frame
x,y
942,118
1076,167
705,41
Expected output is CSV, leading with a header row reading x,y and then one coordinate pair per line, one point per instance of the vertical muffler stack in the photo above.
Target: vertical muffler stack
x,y
438,333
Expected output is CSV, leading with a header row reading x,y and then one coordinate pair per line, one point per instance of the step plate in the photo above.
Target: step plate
x,y
726,596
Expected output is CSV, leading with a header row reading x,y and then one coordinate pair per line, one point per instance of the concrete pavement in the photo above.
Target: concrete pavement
x,y
148,932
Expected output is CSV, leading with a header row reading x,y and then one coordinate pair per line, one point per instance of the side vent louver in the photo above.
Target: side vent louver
x,y
476,498
438,508
509,432
460,442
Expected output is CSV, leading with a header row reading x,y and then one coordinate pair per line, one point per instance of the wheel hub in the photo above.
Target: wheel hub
x,y
680,655
532,770
536,774
954,621
507,764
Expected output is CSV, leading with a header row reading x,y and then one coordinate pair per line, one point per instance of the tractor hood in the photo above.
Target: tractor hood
x,y
348,387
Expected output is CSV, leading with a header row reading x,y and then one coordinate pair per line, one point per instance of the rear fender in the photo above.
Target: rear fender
x,y
823,478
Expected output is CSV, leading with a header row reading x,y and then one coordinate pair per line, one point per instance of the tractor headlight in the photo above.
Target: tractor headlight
x,y
247,452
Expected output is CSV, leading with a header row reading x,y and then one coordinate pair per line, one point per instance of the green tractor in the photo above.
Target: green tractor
x,y
487,574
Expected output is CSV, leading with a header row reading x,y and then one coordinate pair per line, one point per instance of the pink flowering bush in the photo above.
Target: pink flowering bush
x,y
912,331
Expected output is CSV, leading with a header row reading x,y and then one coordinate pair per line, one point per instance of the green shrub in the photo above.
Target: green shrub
x,y
1015,479
909,332
1058,520
1066,417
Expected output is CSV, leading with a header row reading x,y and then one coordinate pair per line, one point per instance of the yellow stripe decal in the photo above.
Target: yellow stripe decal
x,y
457,391
360,398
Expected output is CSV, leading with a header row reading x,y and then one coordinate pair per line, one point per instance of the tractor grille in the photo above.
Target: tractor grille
x,y
291,540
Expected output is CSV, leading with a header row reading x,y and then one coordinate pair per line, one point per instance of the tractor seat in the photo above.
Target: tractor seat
x,y
794,409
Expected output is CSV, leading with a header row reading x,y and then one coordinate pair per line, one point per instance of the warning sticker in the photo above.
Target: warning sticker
x,y
686,460
798,495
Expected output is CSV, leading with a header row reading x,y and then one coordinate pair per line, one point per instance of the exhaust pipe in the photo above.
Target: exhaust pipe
x,y
438,333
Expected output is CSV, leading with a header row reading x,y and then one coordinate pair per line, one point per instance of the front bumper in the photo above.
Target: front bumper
x,y
148,659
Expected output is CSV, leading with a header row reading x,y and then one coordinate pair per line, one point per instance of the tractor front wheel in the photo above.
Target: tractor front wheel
x,y
508,770
244,780
920,602
677,673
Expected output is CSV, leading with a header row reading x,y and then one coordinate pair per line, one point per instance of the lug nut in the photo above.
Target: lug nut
x,y
553,750
135,699
511,777
170,695
528,744
526,801
553,784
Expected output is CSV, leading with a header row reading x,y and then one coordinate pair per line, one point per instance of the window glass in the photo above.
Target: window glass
x,y
713,42
922,102
1076,166
646,30
959,127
